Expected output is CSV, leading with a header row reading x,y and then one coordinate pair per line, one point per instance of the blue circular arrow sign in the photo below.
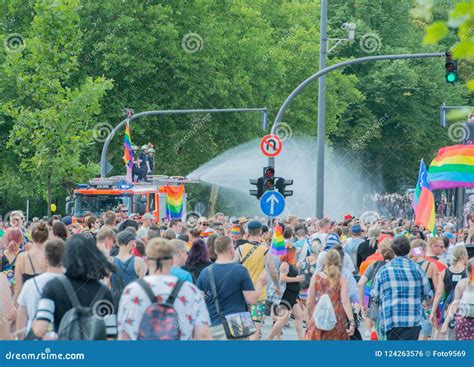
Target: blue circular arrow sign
x,y
272,203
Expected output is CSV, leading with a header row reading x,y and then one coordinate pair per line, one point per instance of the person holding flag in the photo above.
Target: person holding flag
x,y
423,201
289,274
128,150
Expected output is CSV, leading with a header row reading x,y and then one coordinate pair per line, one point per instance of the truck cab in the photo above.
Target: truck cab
x,y
103,194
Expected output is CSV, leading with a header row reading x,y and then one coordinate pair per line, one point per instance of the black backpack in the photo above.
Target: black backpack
x,y
80,322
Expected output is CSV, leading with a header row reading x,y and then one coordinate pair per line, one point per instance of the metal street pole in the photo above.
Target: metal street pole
x,y
323,47
105,148
321,73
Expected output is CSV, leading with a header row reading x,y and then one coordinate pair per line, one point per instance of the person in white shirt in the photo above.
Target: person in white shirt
x,y
322,234
142,233
33,288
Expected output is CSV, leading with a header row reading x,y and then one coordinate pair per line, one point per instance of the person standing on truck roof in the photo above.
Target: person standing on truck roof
x,y
136,164
150,161
143,163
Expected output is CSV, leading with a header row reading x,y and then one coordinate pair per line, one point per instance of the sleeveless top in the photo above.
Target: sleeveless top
x,y
451,279
293,286
29,276
426,271
125,271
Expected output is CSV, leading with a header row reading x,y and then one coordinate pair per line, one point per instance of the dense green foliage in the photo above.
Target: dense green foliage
x,y
84,61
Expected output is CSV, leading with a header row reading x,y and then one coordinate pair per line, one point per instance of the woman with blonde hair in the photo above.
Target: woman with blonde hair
x,y
448,279
369,246
330,282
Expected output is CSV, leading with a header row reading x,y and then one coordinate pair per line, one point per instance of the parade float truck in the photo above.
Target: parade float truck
x,y
103,194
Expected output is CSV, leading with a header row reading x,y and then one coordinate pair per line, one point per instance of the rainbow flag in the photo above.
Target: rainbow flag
x,y
425,206
128,153
235,230
278,242
453,167
174,201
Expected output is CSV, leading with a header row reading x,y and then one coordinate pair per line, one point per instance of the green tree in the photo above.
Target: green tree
x,y
51,111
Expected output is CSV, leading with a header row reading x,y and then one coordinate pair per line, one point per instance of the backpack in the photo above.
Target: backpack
x,y
120,279
374,304
160,321
324,315
81,322
466,305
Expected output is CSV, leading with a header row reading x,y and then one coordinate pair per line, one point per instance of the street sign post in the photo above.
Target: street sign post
x,y
272,203
271,145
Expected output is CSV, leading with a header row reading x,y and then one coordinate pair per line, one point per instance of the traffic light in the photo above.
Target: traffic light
x,y
259,191
451,67
268,178
281,185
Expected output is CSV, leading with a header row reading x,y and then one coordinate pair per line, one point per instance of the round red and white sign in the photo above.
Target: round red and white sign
x,y
271,145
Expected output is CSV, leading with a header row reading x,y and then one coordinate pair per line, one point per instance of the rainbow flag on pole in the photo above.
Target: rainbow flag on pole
x,y
128,152
278,242
453,167
423,201
174,202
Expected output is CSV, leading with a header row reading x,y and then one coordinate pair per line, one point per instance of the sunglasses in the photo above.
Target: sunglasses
x,y
124,211
204,224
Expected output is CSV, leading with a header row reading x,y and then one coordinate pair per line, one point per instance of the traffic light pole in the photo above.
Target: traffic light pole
x,y
105,148
321,129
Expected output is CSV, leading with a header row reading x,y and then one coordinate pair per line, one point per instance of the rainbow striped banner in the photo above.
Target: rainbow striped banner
x,y
453,167
128,152
174,202
278,242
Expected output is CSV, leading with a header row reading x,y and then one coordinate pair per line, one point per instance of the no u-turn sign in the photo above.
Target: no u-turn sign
x,y
271,145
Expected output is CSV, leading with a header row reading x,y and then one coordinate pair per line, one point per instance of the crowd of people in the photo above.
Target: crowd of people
x,y
390,205
221,278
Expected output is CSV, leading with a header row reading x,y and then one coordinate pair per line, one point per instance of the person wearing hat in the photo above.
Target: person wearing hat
x,y
148,221
129,267
351,246
254,256
150,161
242,221
333,240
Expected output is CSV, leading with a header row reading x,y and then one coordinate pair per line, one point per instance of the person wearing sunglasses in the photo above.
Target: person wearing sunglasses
x,y
122,215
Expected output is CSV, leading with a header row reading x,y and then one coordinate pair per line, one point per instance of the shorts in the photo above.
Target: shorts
x,y
289,299
218,332
426,327
268,308
257,311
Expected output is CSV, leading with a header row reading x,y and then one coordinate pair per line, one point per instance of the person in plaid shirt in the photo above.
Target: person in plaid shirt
x,y
400,287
